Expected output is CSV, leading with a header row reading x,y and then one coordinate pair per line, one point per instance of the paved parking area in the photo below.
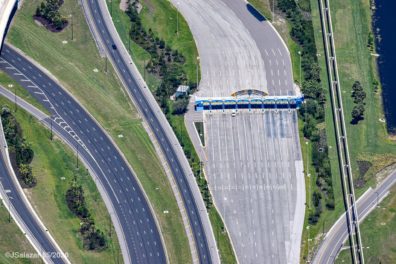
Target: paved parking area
x,y
255,174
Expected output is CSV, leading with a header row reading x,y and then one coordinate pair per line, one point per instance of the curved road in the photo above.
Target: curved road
x,y
20,209
131,214
334,239
144,101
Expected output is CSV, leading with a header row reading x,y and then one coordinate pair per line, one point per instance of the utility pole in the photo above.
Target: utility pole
x,y
77,155
106,64
51,137
144,69
9,208
177,22
72,29
197,72
15,98
129,43
273,11
300,53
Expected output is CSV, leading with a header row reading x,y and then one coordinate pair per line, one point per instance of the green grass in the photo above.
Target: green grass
x,y
161,17
368,140
199,126
73,65
13,241
223,241
54,167
378,233
264,6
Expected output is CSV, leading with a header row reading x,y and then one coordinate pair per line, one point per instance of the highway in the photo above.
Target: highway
x,y
132,217
144,101
341,133
252,159
22,212
256,178
338,234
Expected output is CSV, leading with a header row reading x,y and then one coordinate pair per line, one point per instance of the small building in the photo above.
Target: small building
x,y
182,90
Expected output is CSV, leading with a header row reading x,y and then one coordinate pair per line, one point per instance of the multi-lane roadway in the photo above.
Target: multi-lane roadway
x,y
23,213
144,101
136,228
238,51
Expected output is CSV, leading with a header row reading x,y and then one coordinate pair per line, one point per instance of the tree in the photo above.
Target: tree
x,y
357,113
180,106
49,10
25,172
358,94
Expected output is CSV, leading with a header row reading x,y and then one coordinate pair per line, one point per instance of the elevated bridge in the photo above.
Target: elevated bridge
x,y
248,102
6,9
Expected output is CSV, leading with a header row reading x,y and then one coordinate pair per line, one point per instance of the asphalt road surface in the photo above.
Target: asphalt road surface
x,y
262,203
132,217
338,234
33,228
256,177
274,53
201,230
229,57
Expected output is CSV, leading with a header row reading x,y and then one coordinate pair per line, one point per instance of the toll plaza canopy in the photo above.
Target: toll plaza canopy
x,y
246,100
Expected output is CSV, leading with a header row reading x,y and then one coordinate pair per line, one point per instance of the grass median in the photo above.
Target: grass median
x,y
14,241
169,25
77,64
54,167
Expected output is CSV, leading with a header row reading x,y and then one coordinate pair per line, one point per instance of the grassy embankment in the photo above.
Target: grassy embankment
x,y
13,241
77,65
54,167
161,17
378,234
369,143
368,140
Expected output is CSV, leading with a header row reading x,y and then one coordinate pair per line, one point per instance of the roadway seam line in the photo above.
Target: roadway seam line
x,y
98,182
118,228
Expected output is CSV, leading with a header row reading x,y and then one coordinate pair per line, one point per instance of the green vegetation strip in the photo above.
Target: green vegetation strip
x,y
13,243
75,61
378,234
290,29
167,25
54,168
199,126
370,147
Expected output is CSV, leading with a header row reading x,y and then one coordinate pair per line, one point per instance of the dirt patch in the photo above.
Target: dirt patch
x,y
48,25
